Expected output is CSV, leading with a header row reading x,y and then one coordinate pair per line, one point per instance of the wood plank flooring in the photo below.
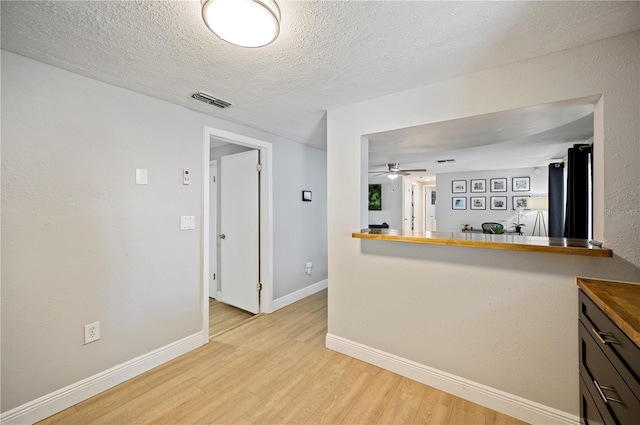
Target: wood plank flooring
x,y
223,317
275,370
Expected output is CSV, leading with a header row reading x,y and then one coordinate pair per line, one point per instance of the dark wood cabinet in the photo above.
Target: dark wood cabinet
x,y
588,410
609,369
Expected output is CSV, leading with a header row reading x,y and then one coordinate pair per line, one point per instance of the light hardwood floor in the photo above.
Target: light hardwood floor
x,y
275,370
223,317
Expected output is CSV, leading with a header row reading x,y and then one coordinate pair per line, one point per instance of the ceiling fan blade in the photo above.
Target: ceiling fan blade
x,y
403,173
384,173
414,170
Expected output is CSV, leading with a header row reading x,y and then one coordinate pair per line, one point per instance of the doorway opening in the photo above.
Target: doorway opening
x,y
210,233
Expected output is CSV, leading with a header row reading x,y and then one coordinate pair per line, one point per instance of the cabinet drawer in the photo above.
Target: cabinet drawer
x,y
588,409
620,350
603,381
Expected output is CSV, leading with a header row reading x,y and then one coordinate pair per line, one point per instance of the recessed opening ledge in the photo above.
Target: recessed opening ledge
x,y
490,241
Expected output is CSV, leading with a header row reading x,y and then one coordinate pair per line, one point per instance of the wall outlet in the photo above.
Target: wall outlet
x,y
307,267
187,222
91,332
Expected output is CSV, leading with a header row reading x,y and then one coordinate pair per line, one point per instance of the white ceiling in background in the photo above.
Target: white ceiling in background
x,y
519,138
329,53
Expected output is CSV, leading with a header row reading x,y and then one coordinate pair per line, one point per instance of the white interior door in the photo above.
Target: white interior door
x,y
239,230
213,229
416,206
407,208
430,209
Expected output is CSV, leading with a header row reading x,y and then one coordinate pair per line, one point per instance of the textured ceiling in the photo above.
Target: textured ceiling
x,y
329,53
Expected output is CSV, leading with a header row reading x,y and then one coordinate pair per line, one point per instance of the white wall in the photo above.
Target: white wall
x,y
391,212
299,228
82,243
450,220
497,318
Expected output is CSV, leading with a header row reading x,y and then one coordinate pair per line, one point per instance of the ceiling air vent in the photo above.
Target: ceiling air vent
x,y
211,100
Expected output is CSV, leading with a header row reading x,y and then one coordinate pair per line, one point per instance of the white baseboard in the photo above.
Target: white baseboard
x,y
300,294
66,397
509,404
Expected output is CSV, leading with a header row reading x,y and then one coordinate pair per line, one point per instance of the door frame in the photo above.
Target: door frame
x,y
213,226
266,220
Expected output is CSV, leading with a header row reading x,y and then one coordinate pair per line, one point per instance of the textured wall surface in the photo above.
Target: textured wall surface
x,y
82,243
495,317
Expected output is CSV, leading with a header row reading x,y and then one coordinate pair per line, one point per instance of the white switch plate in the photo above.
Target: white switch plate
x,y
187,222
186,176
141,176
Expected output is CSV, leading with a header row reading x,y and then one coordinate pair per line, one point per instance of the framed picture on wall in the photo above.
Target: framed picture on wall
x,y
459,202
478,202
499,185
375,197
521,202
521,184
498,202
459,186
478,185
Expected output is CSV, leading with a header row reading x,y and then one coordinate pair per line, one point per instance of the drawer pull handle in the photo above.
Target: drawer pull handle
x,y
604,340
604,397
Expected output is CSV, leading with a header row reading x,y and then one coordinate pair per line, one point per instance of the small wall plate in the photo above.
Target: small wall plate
x,y
306,195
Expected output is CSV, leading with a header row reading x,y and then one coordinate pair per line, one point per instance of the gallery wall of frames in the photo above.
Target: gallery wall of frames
x,y
477,197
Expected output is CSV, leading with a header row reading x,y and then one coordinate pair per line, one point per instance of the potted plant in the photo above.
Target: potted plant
x,y
498,229
518,223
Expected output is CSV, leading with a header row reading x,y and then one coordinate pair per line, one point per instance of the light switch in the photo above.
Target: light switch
x,y
187,222
141,176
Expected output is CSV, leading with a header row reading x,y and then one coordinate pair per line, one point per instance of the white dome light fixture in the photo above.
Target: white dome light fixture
x,y
245,23
392,176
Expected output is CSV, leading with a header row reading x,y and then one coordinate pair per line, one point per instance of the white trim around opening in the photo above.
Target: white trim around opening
x,y
266,220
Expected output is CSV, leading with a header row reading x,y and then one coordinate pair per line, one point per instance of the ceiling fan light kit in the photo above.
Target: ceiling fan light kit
x,y
244,23
393,171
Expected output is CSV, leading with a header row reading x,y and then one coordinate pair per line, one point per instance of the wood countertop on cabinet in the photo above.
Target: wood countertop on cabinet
x,y
513,242
619,300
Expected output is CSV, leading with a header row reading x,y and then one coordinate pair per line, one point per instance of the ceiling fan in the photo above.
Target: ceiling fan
x,y
393,171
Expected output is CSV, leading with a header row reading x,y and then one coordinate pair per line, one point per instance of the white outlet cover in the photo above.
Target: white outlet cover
x,y
187,222
91,332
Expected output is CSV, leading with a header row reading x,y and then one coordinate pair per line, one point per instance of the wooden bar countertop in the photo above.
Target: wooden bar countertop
x,y
620,301
511,242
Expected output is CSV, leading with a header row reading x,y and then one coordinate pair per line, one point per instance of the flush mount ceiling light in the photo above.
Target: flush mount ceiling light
x,y
245,23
